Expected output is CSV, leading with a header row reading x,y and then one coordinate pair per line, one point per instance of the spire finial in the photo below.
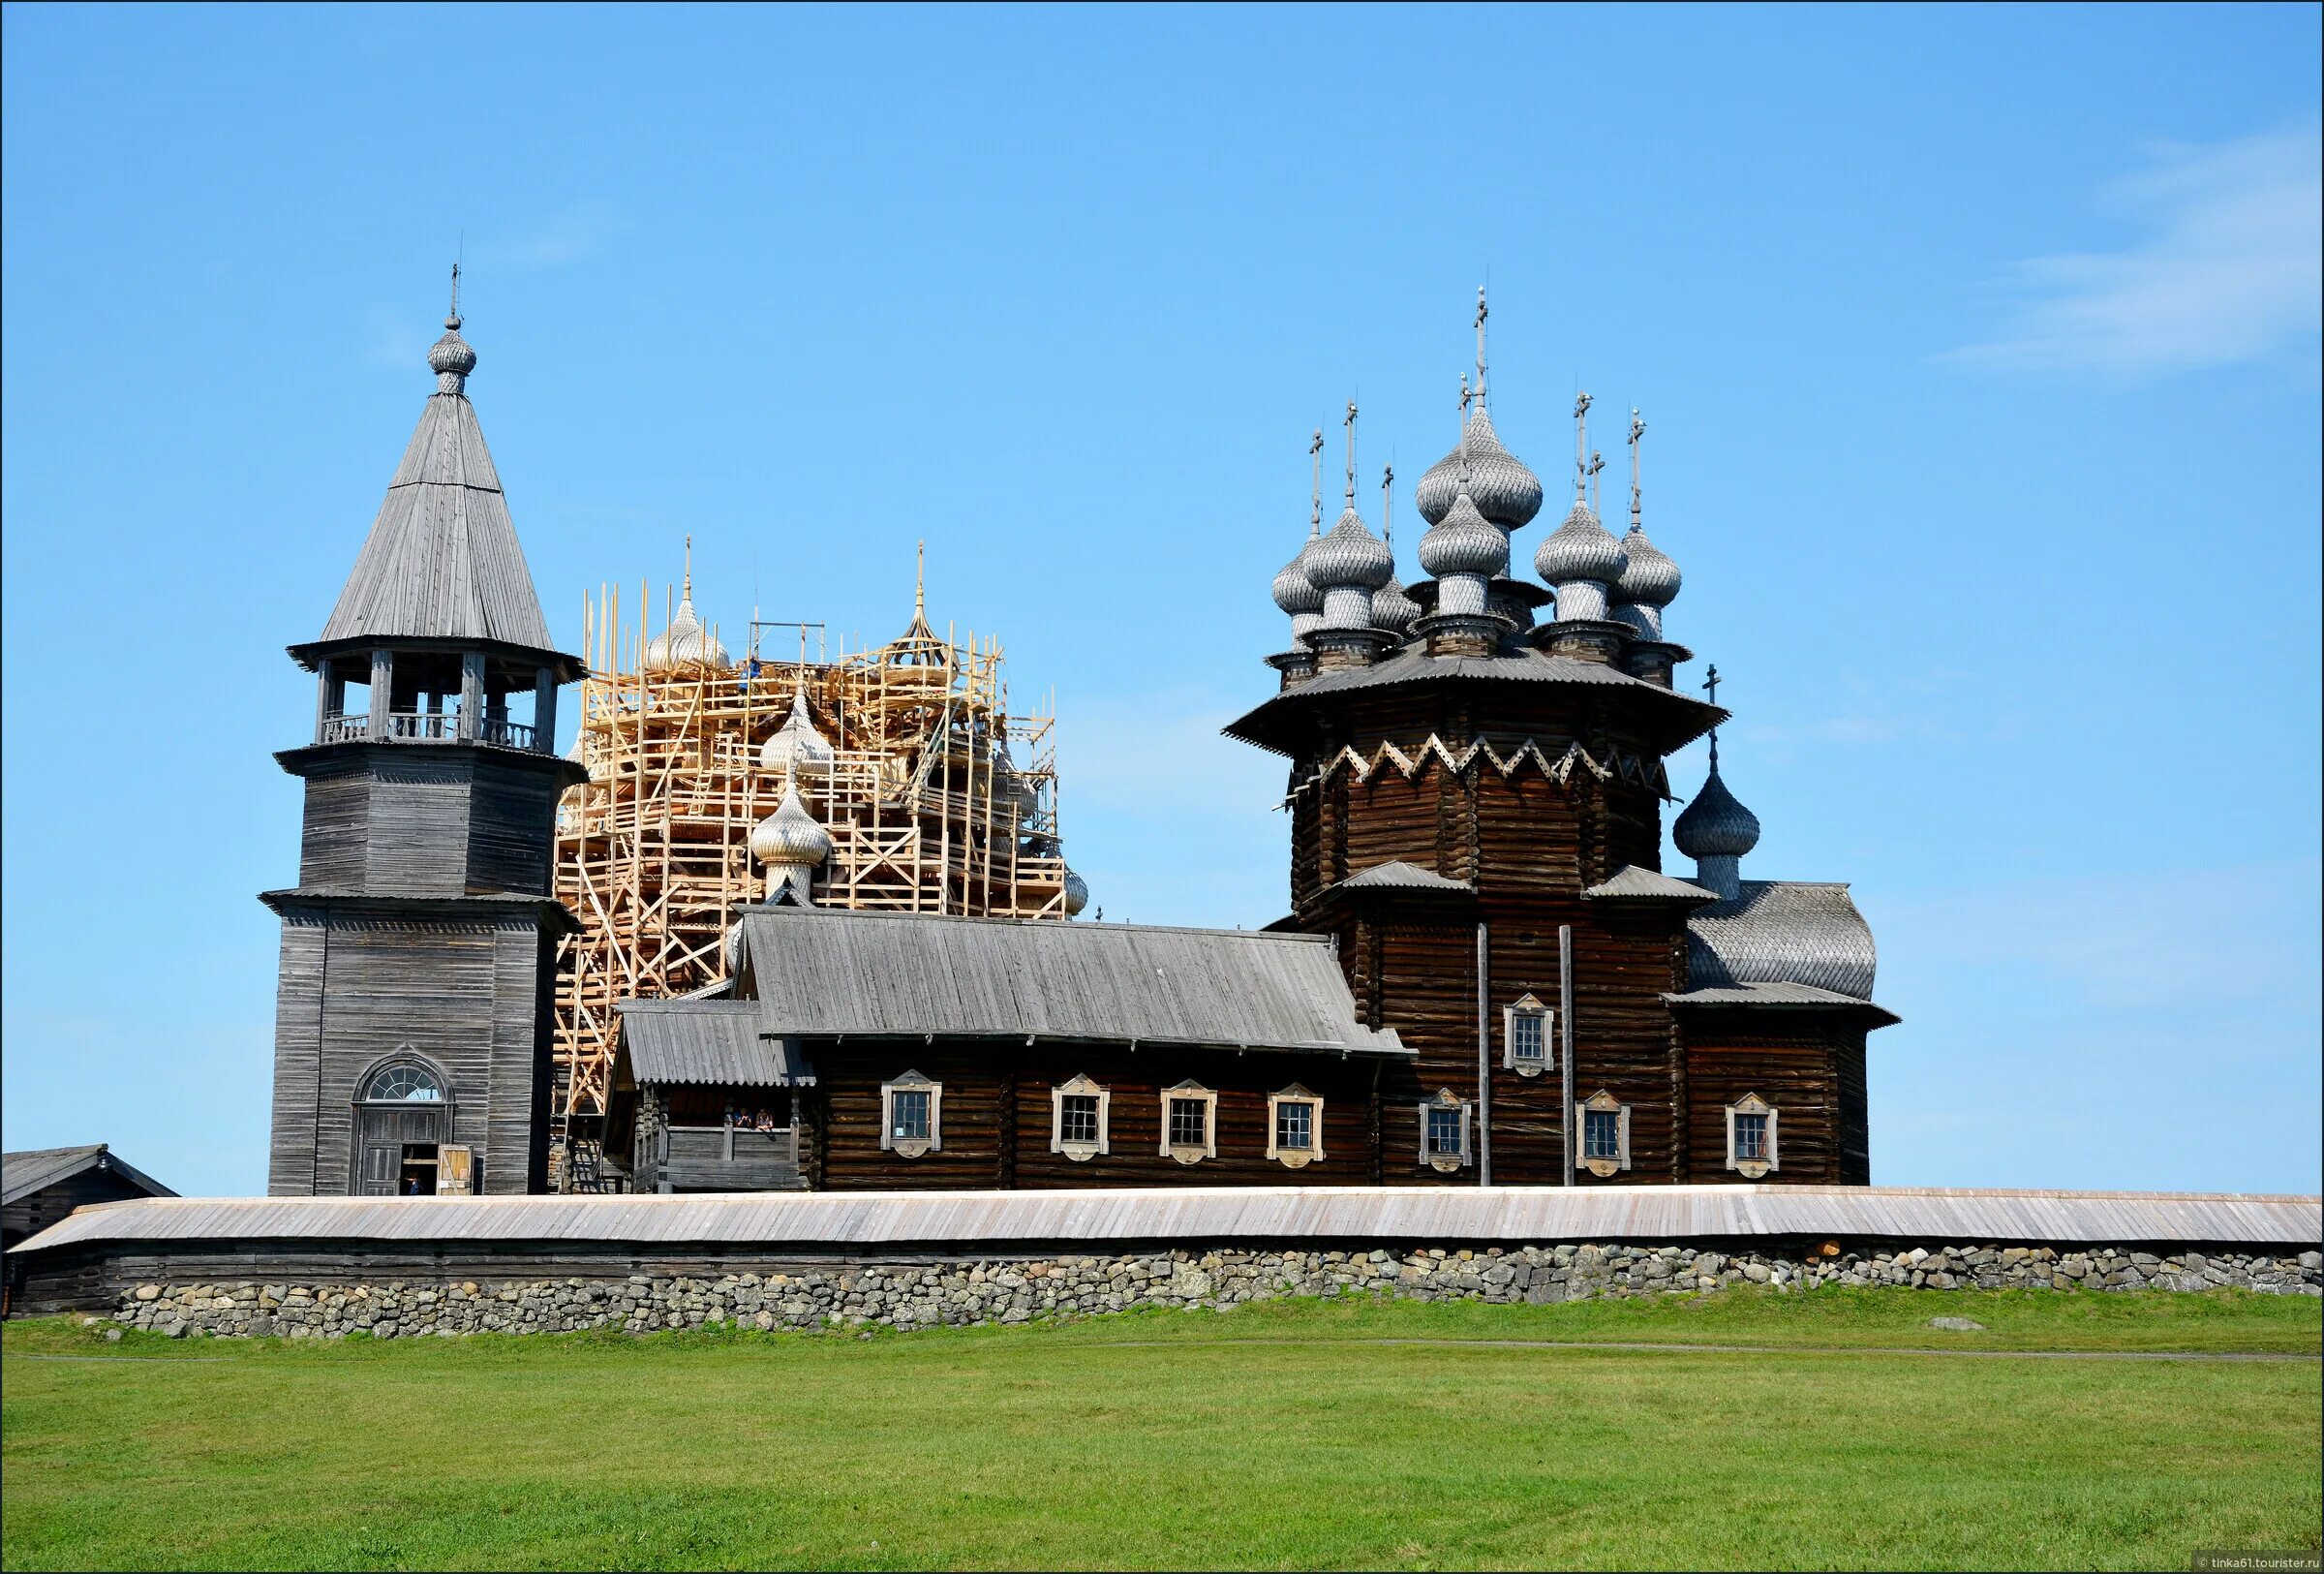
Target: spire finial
x,y
1638,429
1480,316
1597,463
1388,498
689,565
1351,426
920,580
1581,444
1315,488
452,318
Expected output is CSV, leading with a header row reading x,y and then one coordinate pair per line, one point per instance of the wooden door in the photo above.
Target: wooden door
x,y
380,1166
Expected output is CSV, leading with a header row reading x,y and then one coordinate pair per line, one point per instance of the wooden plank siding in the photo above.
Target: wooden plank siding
x,y
998,1117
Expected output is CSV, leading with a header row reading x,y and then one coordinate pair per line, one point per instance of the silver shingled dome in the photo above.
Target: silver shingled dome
x,y
1580,549
789,838
1392,607
1347,557
684,644
1463,542
1649,577
1294,593
1505,491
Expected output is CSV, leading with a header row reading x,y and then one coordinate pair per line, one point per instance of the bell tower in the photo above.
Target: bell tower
x,y
414,1005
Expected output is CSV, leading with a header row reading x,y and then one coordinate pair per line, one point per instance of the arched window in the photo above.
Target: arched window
x,y
402,1081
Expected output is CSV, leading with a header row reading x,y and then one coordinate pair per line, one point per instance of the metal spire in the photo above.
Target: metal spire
x,y
1388,498
1351,426
1638,429
1465,397
452,318
689,565
1480,316
1597,463
1315,488
1581,444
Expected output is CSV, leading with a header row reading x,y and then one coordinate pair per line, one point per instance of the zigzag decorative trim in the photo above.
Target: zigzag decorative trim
x,y
1618,764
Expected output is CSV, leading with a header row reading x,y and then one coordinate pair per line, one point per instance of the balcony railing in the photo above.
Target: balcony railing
x,y
427,726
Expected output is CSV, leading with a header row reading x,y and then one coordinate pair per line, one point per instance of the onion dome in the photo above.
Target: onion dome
x,y
1504,489
1580,549
451,355
1716,824
1649,578
1392,607
790,837
1349,558
796,745
684,643
1463,542
1077,893
1295,592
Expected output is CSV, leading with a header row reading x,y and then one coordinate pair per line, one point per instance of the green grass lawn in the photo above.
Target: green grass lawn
x,y
1292,1435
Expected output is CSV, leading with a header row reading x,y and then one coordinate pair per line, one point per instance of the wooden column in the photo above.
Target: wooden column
x,y
325,703
471,693
544,710
382,679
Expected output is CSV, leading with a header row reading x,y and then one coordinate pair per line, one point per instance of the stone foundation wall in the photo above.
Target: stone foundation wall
x,y
1016,1292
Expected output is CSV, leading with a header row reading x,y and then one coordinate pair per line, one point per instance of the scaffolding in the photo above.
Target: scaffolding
x,y
938,800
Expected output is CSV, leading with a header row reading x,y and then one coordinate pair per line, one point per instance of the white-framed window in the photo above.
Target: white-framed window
x,y
911,1115
1078,1111
1445,1132
1750,1137
1295,1126
1189,1123
1527,1047
1604,1121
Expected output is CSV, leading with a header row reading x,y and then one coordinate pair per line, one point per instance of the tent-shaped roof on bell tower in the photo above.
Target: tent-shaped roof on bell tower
x,y
441,562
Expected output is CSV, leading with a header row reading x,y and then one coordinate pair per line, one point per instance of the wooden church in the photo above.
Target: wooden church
x,y
1484,976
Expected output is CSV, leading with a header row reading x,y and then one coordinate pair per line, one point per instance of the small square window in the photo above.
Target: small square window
x,y
1525,1036
1189,1120
911,1115
1750,1137
1295,1125
1525,1028
1076,1120
910,1123
1444,1132
1601,1133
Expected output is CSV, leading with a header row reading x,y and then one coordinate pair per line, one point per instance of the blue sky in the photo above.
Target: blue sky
x,y
1979,349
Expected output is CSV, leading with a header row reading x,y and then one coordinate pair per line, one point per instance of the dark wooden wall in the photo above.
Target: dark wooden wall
x,y
1795,1067
424,819
998,1117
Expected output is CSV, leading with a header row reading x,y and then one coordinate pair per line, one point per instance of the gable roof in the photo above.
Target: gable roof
x,y
23,1173
442,561
827,972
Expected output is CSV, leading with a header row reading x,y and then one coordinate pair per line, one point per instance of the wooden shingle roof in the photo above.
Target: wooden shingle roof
x,y
443,561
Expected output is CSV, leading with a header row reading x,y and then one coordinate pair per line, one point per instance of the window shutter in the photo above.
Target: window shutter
x,y
1622,1135
1774,1152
